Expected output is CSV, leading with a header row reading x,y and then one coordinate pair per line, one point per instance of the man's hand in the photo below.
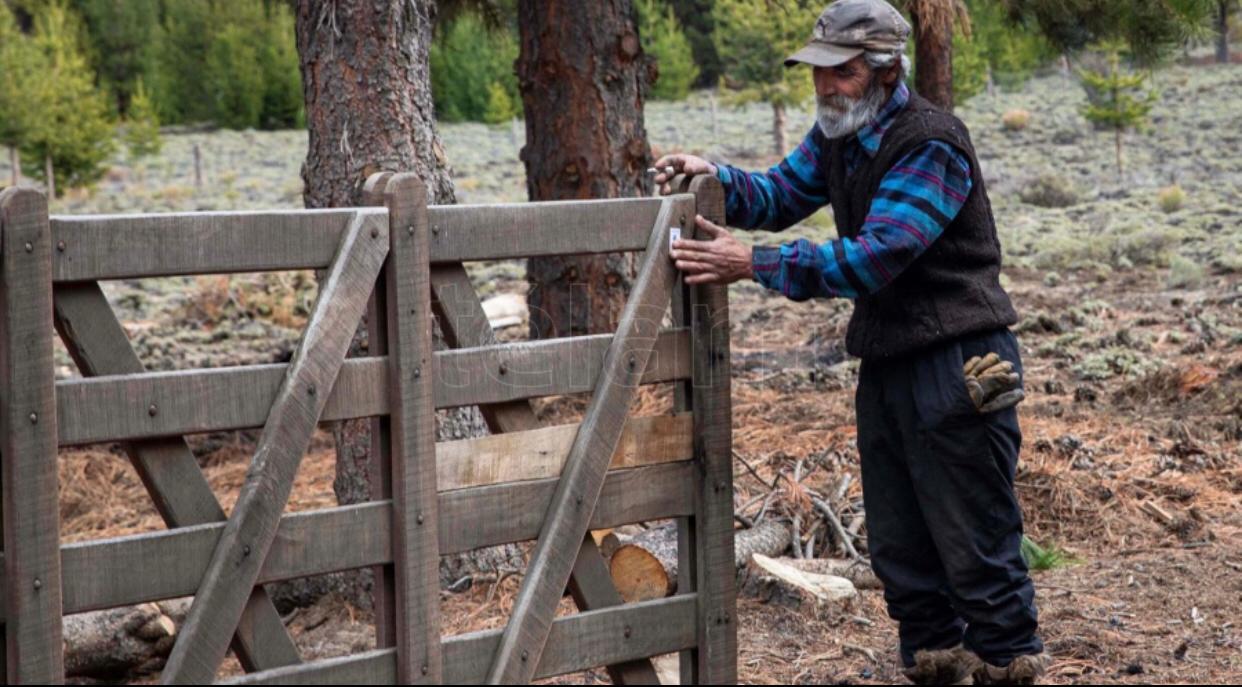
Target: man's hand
x,y
681,164
721,260
992,384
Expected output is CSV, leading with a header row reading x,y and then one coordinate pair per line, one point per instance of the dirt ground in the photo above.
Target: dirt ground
x,y
1132,460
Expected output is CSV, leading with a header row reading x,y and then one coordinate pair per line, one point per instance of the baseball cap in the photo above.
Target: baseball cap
x,y
847,28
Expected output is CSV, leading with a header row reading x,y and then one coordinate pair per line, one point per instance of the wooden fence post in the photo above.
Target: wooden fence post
x,y
34,651
416,551
715,582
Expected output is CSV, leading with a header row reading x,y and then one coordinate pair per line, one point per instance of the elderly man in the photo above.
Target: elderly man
x,y
938,435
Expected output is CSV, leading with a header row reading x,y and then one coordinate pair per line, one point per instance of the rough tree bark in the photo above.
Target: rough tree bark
x,y
933,49
367,83
583,78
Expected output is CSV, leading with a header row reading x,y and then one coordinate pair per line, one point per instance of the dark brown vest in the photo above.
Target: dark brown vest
x,y
953,288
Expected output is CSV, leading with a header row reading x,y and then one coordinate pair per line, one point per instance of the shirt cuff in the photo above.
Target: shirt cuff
x,y
765,262
722,173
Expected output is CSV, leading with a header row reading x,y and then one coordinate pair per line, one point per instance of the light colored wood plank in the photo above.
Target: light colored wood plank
x,y
567,520
34,653
416,554
117,407
713,520
591,587
520,230
237,561
541,453
96,573
150,245
575,643
167,467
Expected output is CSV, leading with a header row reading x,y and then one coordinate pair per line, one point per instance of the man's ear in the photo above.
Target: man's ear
x,y
890,75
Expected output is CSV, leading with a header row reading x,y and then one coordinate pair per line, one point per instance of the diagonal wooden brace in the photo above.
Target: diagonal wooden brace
x,y
465,325
167,467
247,538
566,522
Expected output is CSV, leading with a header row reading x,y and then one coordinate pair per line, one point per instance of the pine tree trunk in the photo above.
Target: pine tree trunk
x,y
1117,144
933,54
15,166
49,173
779,140
367,84
1222,32
583,78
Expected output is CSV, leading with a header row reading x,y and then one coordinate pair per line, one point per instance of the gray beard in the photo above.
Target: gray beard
x,y
834,123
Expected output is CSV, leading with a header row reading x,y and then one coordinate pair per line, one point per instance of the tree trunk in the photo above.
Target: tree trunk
x,y
778,129
1222,32
50,175
583,78
367,84
933,51
15,166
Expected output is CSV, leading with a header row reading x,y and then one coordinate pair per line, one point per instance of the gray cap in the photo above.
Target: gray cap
x,y
847,28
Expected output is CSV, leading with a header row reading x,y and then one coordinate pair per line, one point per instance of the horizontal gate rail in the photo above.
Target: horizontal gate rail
x,y
575,643
118,408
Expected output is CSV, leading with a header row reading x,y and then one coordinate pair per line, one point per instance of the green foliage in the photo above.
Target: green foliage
x,y
1150,29
120,42
1171,198
753,38
283,104
180,49
500,107
1013,51
467,58
663,39
970,66
1038,558
71,120
19,61
142,131
1116,100
699,26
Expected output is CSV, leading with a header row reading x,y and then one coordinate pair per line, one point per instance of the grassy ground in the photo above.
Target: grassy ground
x,y
1131,334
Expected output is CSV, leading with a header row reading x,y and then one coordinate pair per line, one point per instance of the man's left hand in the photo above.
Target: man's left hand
x,y
720,260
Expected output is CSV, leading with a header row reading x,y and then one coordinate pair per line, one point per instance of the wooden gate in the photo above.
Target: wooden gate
x,y
400,262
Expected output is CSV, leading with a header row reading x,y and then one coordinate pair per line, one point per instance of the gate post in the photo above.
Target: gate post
x,y
31,515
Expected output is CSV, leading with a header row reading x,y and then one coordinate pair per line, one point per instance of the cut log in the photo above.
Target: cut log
x,y
858,572
118,642
769,538
778,580
645,566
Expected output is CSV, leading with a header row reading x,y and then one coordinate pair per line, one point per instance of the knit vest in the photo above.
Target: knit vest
x,y
953,288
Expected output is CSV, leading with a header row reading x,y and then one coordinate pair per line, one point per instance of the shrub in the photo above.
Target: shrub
x,y
1171,198
1184,273
1016,119
1050,191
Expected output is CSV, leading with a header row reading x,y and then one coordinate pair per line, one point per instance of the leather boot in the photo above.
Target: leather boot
x,y
952,666
1023,670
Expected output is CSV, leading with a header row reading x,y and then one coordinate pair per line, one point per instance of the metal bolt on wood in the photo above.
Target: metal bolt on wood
x,y
60,246
29,247
153,410
34,418
38,584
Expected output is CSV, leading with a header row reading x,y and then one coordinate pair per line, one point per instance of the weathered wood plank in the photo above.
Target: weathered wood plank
x,y
347,537
713,436
576,642
34,653
530,369
149,245
566,522
383,580
541,453
167,467
117,408
416,554
518,230
247,537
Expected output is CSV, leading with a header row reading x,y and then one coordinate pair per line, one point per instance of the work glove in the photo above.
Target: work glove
x,y
992,383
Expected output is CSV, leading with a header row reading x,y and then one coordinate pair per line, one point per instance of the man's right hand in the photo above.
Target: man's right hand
x,y
682,164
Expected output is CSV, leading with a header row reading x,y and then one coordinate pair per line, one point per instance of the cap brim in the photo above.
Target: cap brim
x,y
823,55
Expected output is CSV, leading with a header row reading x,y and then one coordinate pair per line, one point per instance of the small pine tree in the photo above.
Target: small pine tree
x,y
142,132
500,107
662,38
753,38
1116,100
72,128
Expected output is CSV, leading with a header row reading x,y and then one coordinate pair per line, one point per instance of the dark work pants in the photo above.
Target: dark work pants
x,y
943,523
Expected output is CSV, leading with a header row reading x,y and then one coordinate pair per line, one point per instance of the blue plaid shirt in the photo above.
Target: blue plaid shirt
x,y
916,200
